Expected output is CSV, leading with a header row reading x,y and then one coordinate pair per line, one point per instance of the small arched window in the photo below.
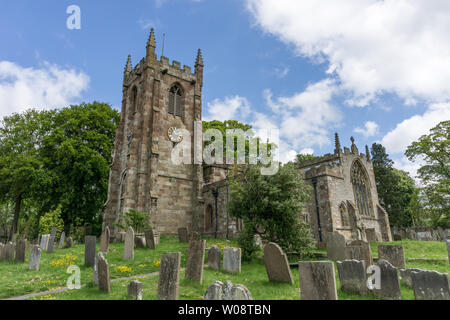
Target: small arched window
x,y
175,98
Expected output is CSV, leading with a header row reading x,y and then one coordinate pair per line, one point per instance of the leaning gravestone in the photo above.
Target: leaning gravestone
x,y
317,280
430,285
62,239
90,250
21,250
390,283
359,250
8,252
353,276
169,276
232,260
335,246
69,242
406,276
104,240
104,283
277,265
214,255
135,290
128,248
183,235
150,239
35,258
139,242
195,259
51,243
220,291
394,254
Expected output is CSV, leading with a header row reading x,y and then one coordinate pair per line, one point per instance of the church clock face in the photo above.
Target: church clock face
x,y
175,134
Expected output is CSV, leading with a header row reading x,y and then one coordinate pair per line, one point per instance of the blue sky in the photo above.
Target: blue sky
x,y
375,70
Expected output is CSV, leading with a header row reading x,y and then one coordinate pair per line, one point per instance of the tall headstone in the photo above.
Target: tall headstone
x,y
90,250
44,241
317,280
104,240
169,276
21,250
128,248
95,279
135,290
150,239
51,243
277,265
69,242
353,276
214,257
430,285
8,252
104,283
183,235
62,239
1,251
195,260
35,258
359,250
390,283
232,260
406,276
448,250
220,291
394,254
335,246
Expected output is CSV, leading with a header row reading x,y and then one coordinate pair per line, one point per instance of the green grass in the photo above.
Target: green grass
x,y
17,280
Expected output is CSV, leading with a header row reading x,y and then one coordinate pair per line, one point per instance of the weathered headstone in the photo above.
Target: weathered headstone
x,y
335,246
353,276
394,254
240,292
424,236
150,239
104,283
128,248
220,291
448,250
317,280
430,285
389,281
104,240
169,276
277,265
397,237
21,250
44,241
371,235
139,241
8,252
195,260
214,256
35,258
135,290
69,242
62,239
232,260
406,276
1,251
90,250
95,279
359,250
183,235
215,291
51,243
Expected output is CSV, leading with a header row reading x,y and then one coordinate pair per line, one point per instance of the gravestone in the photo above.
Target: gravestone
x,y
406,276
51,243
335,246
353,276
371,235
183,235
390,283
8,252
394,254
232,260
62,239
448,250
128,248
240,292
139,242
135,290
430,285
195,259
424,236
35,258
90,250
317,280
397,237
1,251
95,279
104,240
21,250
44,241
214,256
104,283
169,276
277,265
359,250
150,239
220,291
69,242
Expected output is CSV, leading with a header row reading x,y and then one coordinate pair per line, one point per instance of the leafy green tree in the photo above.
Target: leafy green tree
x,y
434,150
50,220
135,219
271,206
304,157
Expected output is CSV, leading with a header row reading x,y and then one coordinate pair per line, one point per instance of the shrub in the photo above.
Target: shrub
x,y
51,220
135,219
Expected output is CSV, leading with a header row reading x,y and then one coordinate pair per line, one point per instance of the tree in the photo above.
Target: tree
x,y
303,157
434,150
135,219
271,206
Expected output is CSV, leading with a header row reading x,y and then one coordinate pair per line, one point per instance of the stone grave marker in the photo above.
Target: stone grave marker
x,y
104,283
430,285
277,265
51,243
1,251
406,276
394,254
183,235
105,239
390,283
21,250
214,257
335,246
69,242
139,241
424,236
353,276
448,250
359,250
195,260
44,241
35,258
8,252
220,291
150,239
371,235
128,248
95,279
169,277
232,260
135,290
317,280
90,250
62,239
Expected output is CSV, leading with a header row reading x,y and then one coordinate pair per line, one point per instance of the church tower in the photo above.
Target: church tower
x,y
159,101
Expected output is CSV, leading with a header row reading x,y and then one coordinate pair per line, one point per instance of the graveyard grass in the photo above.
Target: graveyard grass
x,y
17,280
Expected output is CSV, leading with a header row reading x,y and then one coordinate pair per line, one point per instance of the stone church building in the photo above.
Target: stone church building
x,y
159,100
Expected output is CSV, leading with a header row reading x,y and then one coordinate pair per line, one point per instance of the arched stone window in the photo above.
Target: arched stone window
x,y
209,218
345,221
361,189
175,99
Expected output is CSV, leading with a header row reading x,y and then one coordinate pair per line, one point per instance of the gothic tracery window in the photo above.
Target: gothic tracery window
x,y
175,97
361,189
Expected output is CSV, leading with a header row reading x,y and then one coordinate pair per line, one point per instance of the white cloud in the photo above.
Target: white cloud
x,y
231,108
281,72
307,151
49,86
370,129
373,46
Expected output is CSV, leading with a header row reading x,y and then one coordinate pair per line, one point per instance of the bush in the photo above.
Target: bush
x,y
247,243
135,219
51,220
